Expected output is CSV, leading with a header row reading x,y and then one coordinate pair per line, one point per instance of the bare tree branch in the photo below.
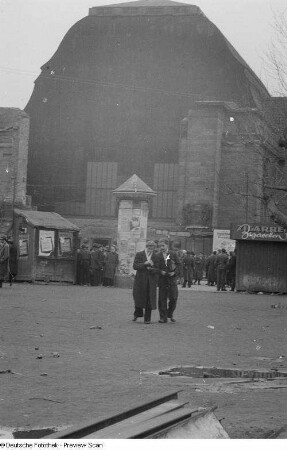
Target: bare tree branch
x,y
276,188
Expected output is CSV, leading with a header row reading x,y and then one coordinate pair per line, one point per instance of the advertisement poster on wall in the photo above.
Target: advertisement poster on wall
x,y
46,242
221,239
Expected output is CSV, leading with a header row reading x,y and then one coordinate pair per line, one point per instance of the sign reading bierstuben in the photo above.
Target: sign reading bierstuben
x,y
258,232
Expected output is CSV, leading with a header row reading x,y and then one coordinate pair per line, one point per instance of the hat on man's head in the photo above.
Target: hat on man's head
x,y
166,241
150,243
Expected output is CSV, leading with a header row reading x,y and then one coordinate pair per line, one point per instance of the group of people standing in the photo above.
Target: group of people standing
x,y
219,267
156,267
96,266
192,267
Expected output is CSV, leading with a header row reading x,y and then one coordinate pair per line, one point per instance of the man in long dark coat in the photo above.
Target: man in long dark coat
x,y
188,269
232,269
145,283
168,265
210,267
97,264
4,258
83,262
13,261
110,264
198,268
221,264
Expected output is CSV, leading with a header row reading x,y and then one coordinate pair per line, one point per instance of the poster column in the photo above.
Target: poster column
x,y
132,233
133,206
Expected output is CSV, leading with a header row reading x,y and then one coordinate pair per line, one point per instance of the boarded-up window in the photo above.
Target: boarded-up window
x,y
165,184
101,181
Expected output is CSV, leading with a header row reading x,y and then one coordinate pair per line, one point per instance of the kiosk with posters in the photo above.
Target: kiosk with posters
x,y
261,257
47,246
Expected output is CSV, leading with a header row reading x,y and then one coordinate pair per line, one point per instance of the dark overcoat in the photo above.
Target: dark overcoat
x,y
145,281
110,265
172,264
4,256
13,259
97,259
211,268
198,268
188,267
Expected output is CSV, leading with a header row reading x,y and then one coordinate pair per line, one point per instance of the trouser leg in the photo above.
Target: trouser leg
x,y
221,278
162,302
138,312
98,276
86,274
218,280
81,274
190,278
233,282
223,281
147,313
172,296
93,277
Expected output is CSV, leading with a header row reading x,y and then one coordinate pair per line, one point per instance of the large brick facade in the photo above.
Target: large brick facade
x,y
14,135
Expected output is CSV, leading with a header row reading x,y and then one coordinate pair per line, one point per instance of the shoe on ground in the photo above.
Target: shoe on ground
x,y
147,321
162,321
172,319
134,319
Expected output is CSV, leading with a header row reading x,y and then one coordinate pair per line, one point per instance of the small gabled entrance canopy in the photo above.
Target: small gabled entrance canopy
x,y
134,187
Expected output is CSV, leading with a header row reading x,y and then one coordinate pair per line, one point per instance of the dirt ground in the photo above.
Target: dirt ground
x,y
72,353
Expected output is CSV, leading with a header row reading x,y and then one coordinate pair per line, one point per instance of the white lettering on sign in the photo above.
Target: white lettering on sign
x,y
262,232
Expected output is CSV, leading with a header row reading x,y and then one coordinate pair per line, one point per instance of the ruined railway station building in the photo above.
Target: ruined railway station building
x,y
151,88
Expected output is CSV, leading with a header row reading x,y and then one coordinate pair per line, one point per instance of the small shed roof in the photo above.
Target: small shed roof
x,y
45,219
